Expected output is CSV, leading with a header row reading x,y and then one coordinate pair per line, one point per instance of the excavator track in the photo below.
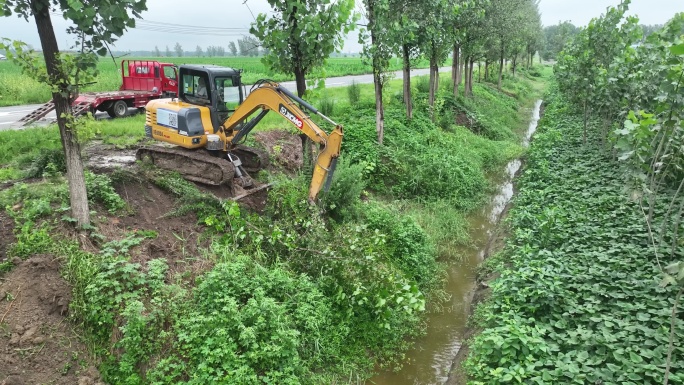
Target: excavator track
x,y
253,159
195,165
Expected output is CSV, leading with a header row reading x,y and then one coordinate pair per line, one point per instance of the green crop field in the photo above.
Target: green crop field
x,y
17,88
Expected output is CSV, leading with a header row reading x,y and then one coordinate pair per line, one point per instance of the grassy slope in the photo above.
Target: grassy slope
x,y
383,251
577,300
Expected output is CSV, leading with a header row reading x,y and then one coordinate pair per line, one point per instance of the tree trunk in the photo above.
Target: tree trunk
x,y
454,68
501,66
300,80
460,71
466,79
408,100
377,81
431,97
486,69
472,67
513,64
78,196
479,72
379,108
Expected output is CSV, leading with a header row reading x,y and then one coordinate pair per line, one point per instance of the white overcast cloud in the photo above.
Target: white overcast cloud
x,y
236,14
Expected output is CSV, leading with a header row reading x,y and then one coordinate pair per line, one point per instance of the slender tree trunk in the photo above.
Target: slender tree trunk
x,y
407,82
454,68
514,63
78,196
460,71
466,76
431,97
479,72
501,66
379,109
377,81
486,69
300,80
472,68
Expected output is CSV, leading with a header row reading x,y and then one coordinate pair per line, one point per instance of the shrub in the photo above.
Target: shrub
x,y
326,105
354,93
423,84
48,162
342,201
100,190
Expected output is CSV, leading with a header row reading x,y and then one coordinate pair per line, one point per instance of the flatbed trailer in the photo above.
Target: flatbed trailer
x,y
141,81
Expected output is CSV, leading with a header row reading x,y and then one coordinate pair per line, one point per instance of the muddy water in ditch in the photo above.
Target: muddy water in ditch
x,y
430,360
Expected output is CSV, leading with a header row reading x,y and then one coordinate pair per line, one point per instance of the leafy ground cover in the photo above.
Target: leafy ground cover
x,y
17,88
577,298
174,285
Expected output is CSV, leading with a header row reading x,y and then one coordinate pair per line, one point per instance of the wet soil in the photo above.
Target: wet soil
x,y
37,343
284,148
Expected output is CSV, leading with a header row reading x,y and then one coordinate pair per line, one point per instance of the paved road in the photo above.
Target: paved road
x,y
9,115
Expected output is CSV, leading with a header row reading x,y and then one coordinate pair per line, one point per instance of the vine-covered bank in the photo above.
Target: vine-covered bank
x,y
578,298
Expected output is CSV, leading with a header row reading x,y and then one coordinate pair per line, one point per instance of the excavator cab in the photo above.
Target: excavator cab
x,y
213,113
218,88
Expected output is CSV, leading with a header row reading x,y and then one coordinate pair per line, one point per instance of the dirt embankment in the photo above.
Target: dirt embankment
x,y
38,343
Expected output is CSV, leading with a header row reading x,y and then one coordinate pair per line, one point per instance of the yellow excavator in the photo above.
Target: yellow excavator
x,y
211,117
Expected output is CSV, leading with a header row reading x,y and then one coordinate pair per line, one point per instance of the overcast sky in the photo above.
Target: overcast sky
x,y
230,19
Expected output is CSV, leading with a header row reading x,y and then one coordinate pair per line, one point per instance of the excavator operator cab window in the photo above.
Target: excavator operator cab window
x,y
229,95
196,89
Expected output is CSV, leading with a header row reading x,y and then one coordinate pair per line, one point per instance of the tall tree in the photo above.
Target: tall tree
x,y
157,53
407,42
179,49
168,51
504,17
378,51
555,38
96,23
198,51
232,48
301,34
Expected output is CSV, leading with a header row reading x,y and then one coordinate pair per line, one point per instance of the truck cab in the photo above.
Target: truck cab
x,y
148,75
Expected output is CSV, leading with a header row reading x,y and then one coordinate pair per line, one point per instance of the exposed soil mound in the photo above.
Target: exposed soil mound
x,y
37,344
178,237
284,148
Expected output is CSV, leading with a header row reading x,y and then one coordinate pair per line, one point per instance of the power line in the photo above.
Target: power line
x,y
162,27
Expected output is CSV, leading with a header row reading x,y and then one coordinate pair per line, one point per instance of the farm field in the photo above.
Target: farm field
x,y
18,89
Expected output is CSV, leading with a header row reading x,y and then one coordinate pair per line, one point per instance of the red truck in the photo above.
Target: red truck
x,y
142,81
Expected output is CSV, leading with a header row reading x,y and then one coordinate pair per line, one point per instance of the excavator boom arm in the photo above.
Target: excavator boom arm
x,y
270,96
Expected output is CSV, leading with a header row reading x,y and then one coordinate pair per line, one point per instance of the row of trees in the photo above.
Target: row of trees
x,y
246,46
556,36
629,79
301,34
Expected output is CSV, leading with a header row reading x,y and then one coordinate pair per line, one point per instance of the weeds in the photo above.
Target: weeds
x,y
354,94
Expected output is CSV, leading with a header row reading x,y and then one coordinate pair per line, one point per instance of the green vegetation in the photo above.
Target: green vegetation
x,y
590,285
17,89
577,300
297,294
